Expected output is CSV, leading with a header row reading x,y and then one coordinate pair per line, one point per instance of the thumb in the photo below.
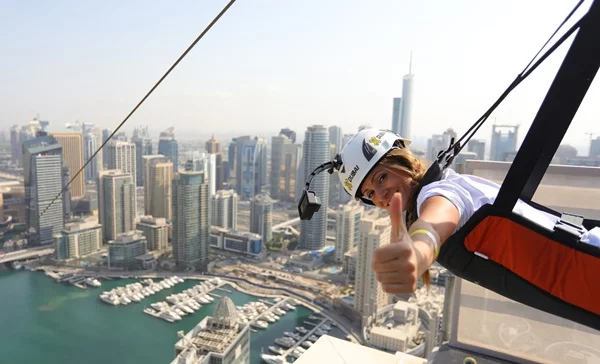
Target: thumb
x,y
395,211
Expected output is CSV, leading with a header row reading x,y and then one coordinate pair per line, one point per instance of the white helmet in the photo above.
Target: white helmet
x,y
362,153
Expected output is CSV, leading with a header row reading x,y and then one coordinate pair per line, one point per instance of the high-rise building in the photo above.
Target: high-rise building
x,y
347,225
220,339
121,156
477,146
16,153
90,145
595,147
261,216
289,133
437,143
42,169
402,107
504,141
155,230
224,209
251,166
336,137
167,146
213,146
78,240
143,146
105,135
72,145
191,224
374,231
66,194
284,165
116,203
316,152
158,190
124,250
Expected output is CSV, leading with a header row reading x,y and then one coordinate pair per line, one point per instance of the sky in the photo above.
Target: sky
x,y
269,64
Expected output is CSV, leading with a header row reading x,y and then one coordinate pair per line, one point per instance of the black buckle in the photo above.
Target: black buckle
x,y
571,225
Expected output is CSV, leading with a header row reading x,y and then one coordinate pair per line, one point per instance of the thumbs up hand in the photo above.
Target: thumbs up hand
x,y
396,264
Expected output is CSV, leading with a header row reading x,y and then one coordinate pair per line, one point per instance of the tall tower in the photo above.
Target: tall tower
x,y
407,103
251,166
224,209
374,231
347,224
213,146
121,156
396,114
191,224
105,135
158,189
90,145
261,217
42,168
284,164
72,145
15,146
316,152
504,141
116,203
143,146
167,146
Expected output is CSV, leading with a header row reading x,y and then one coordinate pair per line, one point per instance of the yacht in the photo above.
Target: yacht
x,y
313,317
201,299
124,300
307,344
286,342
92,282
150,311
168,316
259,324
279,311
159,306
134,298
110,299
208,298
272,359
313,338
276,349
325,327
178,311
302,330
185,308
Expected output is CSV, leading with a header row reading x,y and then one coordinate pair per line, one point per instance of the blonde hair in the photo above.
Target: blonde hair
x,y
403,160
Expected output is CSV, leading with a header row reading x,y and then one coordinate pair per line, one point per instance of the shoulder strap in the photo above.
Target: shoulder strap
x,y
555,114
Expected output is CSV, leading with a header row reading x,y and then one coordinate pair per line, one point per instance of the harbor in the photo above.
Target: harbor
x,y
59,314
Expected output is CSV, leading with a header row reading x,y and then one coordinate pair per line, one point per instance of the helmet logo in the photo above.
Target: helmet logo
x,y
368,150
374,141
348,185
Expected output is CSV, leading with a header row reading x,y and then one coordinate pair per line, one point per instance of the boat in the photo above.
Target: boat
x,y
90,281
276,349
17,266
307,344
259,324
325,327
313,317
301,330
313,338
286,342
110,299
158,306
272,359
150,311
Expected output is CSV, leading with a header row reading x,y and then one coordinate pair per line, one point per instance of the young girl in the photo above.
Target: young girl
x,y
378,168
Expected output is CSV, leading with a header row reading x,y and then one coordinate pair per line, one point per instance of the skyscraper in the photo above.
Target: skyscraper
x,y
15,146
261,216
116,203
42,169
289,133
72,145
374,231
143,146
477,146
336,137
155,230
105,135
224,209
595,147
316,152
347,225
191,224
504,141
90,145
121,156
251,166
158,191
437,143
167,146
402,107
213,146
284,165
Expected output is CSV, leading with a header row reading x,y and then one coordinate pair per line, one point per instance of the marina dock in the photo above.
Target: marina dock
x,y
287,352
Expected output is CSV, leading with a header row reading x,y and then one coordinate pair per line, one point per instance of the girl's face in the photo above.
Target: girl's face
x,y
382,182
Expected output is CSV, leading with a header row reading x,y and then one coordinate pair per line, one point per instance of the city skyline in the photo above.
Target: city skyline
x,y
340,86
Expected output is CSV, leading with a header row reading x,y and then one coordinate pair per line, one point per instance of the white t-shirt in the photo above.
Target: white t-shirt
x,y
469,193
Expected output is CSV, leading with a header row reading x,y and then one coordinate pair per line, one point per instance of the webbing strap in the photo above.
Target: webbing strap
x,y
555,114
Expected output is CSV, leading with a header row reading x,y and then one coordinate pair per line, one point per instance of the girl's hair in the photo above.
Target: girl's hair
x,y
403,160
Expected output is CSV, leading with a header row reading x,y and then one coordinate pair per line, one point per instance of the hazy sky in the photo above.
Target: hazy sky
x,y
270,64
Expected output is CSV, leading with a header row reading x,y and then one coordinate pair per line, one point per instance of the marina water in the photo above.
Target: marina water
x,y
47,322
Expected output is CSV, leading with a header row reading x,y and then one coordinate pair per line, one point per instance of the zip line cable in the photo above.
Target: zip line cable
x,y
459,145
208,27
